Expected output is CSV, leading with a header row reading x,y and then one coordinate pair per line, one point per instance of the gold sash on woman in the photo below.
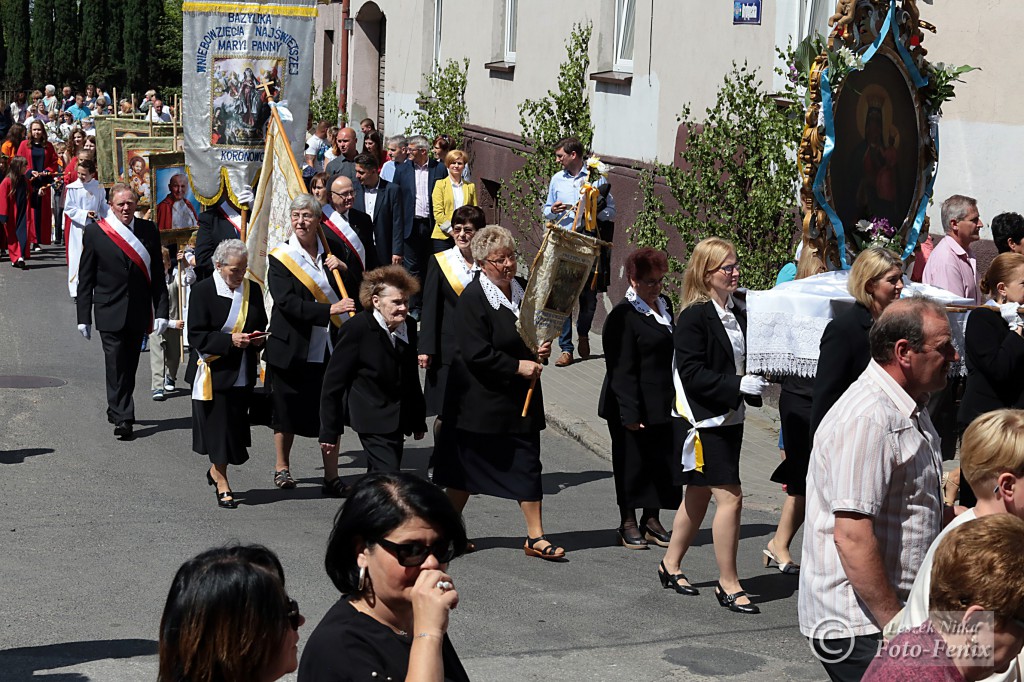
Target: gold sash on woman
x,y
314,280
202,387
453,267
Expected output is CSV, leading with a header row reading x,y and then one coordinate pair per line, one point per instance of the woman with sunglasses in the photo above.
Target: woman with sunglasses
x,y
228,618
711,387
388,556
636,399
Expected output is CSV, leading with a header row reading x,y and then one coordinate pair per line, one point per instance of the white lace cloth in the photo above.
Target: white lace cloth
x,y
785,324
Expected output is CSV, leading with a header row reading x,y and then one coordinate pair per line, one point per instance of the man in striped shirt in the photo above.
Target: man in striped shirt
x,y
873,498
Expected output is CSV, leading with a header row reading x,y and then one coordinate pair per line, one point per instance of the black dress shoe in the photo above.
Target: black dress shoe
x,y
729,601
672,580
659,537
226,500
123,430
630,538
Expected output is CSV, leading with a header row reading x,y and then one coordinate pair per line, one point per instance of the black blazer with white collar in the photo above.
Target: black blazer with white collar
x,y
705,362
370,385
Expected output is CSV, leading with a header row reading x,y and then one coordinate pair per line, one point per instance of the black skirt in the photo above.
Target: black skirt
x,y
295,397
795,412
434,385
643,462
503,465
721,446
220,427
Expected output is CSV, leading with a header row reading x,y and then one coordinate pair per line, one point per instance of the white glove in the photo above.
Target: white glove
x,y
245,196
1008,311
751,384
159,325
85,330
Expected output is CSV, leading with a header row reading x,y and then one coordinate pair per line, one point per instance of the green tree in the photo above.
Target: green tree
x,y
564,112
43,52
115,72
443,109
738,179
65,43
324,106
93,60
166,65
17,27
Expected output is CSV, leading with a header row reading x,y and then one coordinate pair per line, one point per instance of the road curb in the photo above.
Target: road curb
x,y
577,429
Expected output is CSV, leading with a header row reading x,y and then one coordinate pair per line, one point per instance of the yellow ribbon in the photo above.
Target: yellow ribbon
x,y
285,259
202,389
449,272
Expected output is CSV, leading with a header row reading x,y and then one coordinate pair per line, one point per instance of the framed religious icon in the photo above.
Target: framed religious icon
x,y
869,152
238,108
132,162
111,128
176,205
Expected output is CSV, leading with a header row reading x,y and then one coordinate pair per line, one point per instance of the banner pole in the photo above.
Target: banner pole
x,y
181,309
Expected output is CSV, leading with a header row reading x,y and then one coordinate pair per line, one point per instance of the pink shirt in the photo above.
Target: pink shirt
x,y
952,268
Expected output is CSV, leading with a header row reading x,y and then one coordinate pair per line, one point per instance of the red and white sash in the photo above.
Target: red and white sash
x,y
340,227
233,216
126,241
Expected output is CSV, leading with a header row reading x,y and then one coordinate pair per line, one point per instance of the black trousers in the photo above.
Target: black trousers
x,y
417,250
383,451
846,659
121,350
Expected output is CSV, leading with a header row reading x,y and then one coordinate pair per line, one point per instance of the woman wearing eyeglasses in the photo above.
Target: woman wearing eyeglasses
x,y
636,399
497,449
388,556
711,388
228,618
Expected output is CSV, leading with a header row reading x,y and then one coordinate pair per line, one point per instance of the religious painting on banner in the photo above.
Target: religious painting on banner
x,y
132,158
238,58
108,130
560,271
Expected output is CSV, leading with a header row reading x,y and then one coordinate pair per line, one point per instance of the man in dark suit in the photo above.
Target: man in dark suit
x,y
121,272
216,224
416,178
382,201
342,196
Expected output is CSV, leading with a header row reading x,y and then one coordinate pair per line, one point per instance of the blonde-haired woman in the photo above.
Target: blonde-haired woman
x,y
449,194
711,388
876,280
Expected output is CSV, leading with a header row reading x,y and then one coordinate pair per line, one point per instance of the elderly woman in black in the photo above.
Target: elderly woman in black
x,y
498,450
372,383
388,556
636,399
228,618
308,309
226,319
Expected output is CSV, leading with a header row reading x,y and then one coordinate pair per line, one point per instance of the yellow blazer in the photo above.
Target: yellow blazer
x,y
444,204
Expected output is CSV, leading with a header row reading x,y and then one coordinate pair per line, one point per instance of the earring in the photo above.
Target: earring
x,y
363,579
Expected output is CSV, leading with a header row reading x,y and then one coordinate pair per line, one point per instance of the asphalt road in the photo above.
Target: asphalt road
x,y
93,530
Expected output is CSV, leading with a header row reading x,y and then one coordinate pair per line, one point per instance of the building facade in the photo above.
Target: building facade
x,y
648,59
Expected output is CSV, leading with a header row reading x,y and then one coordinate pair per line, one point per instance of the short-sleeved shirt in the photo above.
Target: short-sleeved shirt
x,y
876,453
953,268
316,148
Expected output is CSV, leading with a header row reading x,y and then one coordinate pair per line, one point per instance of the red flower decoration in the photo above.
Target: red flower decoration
x,y
915,40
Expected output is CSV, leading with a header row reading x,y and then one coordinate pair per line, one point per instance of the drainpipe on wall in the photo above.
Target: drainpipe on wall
x,y
343,71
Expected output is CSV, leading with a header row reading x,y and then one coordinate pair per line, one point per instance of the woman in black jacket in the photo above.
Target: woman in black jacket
x,y
372,383
636,399
711,389
308,310
497,449
226,320
876,280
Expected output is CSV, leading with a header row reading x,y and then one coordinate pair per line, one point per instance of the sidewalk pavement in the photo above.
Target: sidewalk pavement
x,y
570,405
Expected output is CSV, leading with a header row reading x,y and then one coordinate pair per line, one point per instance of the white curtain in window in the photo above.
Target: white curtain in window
x,y
625,15
817,16
511,10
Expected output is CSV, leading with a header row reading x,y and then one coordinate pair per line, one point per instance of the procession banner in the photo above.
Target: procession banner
x,y
560,271
280,182
230,50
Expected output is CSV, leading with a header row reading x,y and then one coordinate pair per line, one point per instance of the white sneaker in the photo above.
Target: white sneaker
x,y
168,384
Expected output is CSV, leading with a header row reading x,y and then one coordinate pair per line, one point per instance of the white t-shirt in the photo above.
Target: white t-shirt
x,y
316,148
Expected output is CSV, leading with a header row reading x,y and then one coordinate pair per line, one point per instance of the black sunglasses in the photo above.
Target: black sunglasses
x,y
411,554
293,614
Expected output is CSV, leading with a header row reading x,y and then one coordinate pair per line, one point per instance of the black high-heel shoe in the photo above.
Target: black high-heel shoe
x,y
226,499
672,580
729,601
209,478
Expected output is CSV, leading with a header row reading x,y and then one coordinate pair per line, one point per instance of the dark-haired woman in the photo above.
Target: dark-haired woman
x,y
388,556
42,164
14,212
229,619
373,144
636,399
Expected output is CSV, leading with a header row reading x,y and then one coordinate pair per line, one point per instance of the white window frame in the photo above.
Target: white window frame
x,y
618,64
511,29
437,32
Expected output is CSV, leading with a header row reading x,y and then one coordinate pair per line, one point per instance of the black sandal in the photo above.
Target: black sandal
x,y
283,479
226,500
671,580
334,487
549,553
